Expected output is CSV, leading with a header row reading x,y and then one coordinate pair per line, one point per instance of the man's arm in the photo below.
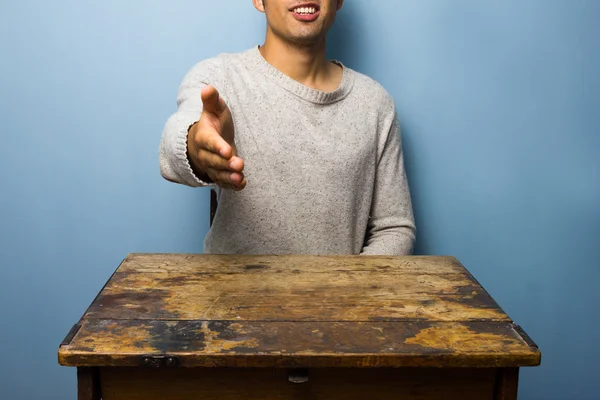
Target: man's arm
x,y
391,229
197,146
173,158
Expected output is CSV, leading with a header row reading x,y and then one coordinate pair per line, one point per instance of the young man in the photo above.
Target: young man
x,y
304,153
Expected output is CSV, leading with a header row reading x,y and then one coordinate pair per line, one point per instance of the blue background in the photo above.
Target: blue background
x,y
499,106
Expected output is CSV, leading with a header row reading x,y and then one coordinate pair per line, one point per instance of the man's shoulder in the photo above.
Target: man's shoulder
x,y
372,91
216,66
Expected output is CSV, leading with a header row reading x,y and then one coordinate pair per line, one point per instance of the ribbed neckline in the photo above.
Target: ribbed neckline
x,y
256,61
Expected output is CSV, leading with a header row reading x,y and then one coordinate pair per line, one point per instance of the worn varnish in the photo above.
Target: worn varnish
x,y
297,288
309,344
286,311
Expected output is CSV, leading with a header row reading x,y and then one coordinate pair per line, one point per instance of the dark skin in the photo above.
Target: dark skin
x,y
297,48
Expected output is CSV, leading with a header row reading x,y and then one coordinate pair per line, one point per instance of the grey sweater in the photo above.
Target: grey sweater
x,y
325,170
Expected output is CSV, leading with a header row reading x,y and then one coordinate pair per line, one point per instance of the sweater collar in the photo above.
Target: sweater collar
x,y
257,61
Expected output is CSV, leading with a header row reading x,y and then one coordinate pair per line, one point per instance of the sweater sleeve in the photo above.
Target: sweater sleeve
x,y
391,228
173,159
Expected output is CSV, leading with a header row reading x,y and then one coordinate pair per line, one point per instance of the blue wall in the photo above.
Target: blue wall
x,y
497,103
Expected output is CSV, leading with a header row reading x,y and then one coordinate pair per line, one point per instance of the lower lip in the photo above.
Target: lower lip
x,y
306,17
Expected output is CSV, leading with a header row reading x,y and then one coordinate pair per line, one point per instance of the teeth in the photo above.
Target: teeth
x,y
305,10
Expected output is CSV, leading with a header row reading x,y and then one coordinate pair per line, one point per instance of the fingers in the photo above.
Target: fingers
x,y
215,144
209,159
236,164
212,103
228,179
216,118
242,185
227,173
211,142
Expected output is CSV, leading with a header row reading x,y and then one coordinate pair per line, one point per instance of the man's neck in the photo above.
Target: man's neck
x,y
305,64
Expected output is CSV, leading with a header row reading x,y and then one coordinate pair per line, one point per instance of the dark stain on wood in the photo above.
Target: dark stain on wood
x,y
86,349
258,311
256,267
388,319
470,296
225,330
177,336
181,279
142,302
212,343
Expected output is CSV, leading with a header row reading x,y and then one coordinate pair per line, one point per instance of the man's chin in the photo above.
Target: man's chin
x,y
307,39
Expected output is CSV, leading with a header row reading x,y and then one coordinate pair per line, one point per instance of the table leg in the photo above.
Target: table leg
x,y
507,384
88,383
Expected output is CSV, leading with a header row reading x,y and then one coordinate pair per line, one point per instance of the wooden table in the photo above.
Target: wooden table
x,y
174,326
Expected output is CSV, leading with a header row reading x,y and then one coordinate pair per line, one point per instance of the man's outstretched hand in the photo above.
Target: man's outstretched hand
x,y
211,145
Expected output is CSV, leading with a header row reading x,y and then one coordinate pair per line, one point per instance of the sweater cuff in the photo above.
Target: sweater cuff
x,y
187,173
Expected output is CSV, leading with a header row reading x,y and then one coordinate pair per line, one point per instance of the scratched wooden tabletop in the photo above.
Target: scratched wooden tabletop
x,y
288,311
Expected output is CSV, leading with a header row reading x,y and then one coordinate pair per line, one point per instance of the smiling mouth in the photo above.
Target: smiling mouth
x,y
309,10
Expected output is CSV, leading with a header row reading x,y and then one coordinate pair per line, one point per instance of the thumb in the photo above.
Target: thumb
x,y
211,101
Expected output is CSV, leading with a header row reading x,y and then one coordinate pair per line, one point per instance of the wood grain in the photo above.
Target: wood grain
x,y
308,344
286,311
273,384
294,288
244,264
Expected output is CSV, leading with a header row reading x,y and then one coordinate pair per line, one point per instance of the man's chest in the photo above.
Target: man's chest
x,y
292,137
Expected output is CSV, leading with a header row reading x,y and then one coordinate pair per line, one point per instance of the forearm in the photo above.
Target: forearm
x,y
391,228
175,165
393,240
